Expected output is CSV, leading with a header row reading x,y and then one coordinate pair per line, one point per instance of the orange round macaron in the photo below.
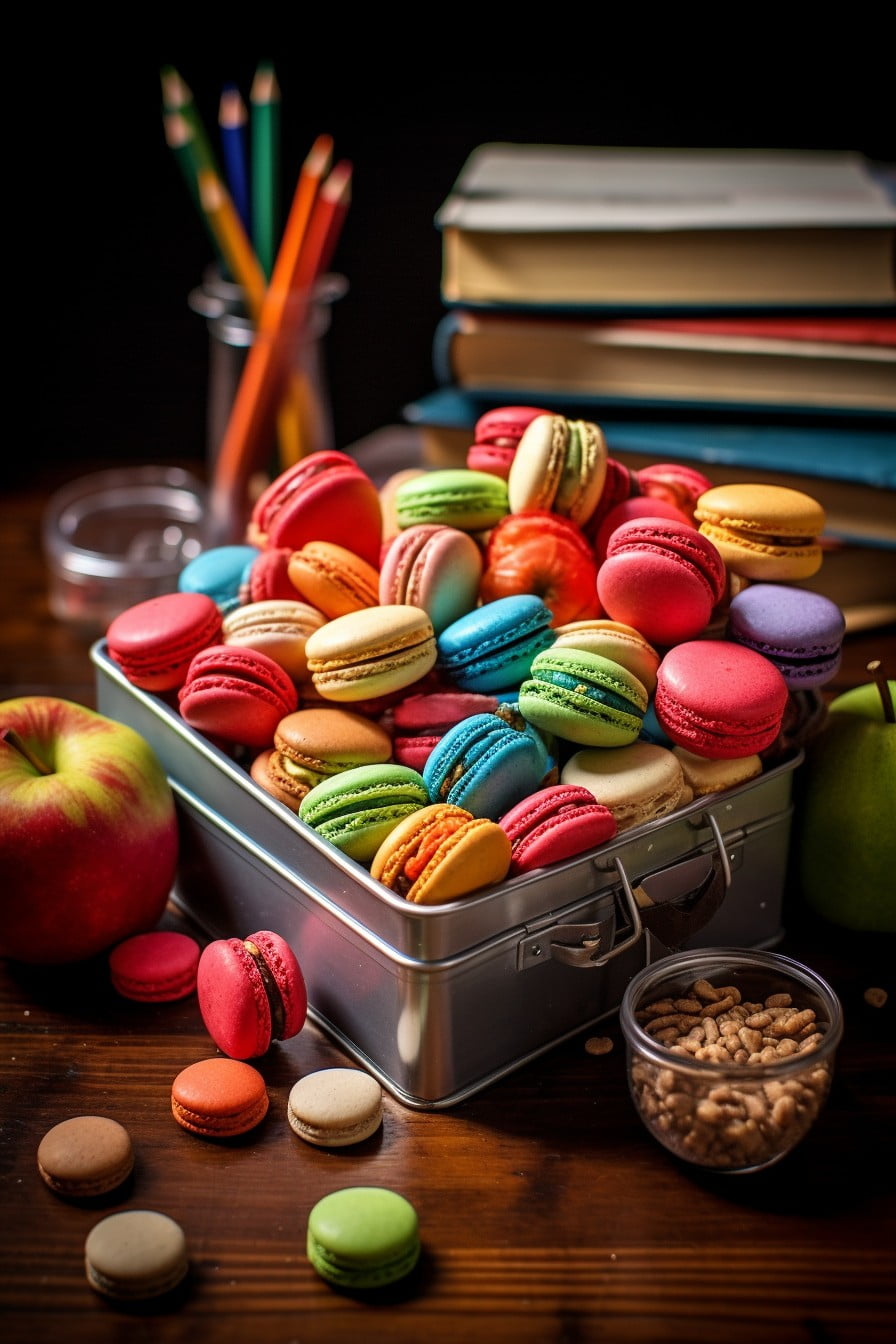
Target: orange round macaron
x,y
763,531
333,578
219,1098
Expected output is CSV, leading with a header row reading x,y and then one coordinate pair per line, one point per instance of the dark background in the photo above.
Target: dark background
x,y
109,243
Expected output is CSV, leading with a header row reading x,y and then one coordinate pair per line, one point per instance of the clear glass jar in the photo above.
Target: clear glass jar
x,y
729,1081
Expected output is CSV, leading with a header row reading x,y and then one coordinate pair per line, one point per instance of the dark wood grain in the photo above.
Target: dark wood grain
x,y
547,1212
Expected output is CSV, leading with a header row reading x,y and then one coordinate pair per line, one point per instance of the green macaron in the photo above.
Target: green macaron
x,y
363,1237
471,501
583,697
356,809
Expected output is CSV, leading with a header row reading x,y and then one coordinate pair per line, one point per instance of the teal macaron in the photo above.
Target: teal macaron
x,y
356,809
487,763
490,649
363,1237
471,501
583,697
222,572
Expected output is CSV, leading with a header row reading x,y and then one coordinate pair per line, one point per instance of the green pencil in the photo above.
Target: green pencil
x,y
180,138
264,98
177,96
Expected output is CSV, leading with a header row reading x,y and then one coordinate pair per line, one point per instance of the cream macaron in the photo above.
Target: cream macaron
x,y
333,1108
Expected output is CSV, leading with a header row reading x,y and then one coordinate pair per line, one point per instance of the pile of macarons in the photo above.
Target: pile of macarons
x,y
463,674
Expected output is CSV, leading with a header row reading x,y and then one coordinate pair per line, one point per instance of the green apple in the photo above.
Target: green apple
x,y
88,832
845,822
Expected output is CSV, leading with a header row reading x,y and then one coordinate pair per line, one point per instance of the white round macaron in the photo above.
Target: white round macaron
x,y
335,1107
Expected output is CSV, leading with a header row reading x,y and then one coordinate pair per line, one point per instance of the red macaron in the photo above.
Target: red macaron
x,y
153,642
326,496
663,577
156,967
236,694
555,823
495,437
251,992
719,699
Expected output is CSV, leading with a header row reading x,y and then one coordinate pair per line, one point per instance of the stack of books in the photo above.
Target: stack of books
x,y
735,310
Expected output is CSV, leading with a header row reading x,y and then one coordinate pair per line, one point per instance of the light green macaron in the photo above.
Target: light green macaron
x,y
356,809
471,501
363,1237
583,697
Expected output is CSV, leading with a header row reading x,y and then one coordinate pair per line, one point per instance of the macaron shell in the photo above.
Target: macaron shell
x,y
155,967
268,576
153,642
327,739
136,1254
333,578
234,987
630,510
334,1108
267,772
485,764
555,823
356,809
538,464
582,478
373,652
638,783
471,501
490,649
674,482
706,776
763,532
435,567
277,627
324,497
440,854
236,695
719,699
219,572
85,1156
800,631
363,1237
219,1098
583,698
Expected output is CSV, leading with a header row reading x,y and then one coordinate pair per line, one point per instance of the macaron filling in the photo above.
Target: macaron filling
x,y
271,989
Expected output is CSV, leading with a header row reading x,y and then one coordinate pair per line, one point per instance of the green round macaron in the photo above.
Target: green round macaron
x,y
356,809
471,501
363,1237
583,697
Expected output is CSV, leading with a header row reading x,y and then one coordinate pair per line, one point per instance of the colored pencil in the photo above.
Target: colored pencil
x,y
177,96
180,140
245,268
232,121
249,426
264,97
324,227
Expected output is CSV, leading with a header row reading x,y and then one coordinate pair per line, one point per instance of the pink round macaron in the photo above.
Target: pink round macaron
x,y
237,695
675,482
719,699
495,437
435,567
555,823
627,511
251,992
661,576
153,642
268,577
155,967
620,485
419,721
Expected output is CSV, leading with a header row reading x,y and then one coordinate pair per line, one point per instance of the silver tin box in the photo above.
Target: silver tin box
x,y
437,1002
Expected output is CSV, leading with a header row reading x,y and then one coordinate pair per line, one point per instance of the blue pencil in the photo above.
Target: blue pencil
x,y
232,120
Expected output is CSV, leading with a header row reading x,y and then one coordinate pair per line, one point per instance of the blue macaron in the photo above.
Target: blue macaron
x,y
798,630
490,649
220,573
487,763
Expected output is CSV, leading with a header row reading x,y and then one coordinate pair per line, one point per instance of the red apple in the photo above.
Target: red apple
x,y
88,832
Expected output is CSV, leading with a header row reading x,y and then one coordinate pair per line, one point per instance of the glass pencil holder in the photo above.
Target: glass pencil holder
x,y
305,421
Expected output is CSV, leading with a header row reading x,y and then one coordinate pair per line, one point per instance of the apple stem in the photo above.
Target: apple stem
x,y
11,736
883,687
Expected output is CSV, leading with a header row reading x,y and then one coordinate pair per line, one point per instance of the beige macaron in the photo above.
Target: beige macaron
x,y
638,783
333,1108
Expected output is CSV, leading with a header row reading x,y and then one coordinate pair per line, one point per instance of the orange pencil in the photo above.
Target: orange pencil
x,y
324,227
251,419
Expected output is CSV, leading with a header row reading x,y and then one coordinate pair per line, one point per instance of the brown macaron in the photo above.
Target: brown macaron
x,y
85,1156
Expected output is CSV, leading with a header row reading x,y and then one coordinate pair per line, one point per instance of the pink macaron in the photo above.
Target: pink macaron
x,y
620,485
326,496
268,577
626,511
154,641
251,992
435,567
237,695
419,721
676,483
663,577
555,823
719,699
495,437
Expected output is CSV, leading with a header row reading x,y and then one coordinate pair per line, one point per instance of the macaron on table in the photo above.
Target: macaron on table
x,y
491,815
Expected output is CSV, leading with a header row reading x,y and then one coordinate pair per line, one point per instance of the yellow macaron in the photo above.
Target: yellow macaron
x,y
766,532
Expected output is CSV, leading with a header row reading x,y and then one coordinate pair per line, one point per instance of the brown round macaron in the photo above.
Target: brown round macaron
x,y
85,1156
135,1255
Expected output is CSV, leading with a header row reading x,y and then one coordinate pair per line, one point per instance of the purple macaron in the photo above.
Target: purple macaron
x,y
798,630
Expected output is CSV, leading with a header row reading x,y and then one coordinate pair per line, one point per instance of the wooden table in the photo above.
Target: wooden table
x,y
547,1212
